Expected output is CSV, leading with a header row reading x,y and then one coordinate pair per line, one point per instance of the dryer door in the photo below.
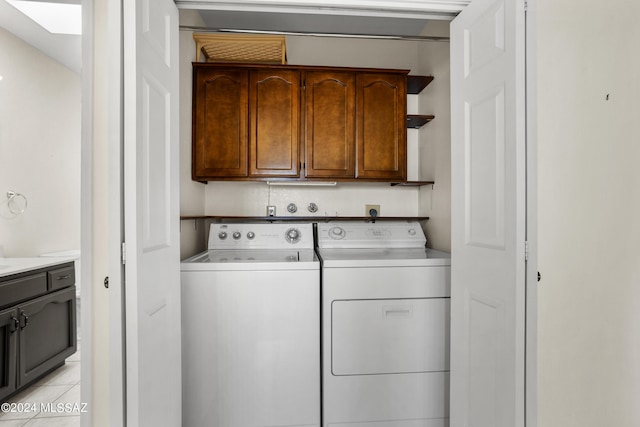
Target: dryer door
x,y
389,336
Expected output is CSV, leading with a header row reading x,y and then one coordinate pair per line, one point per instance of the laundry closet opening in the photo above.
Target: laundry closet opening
x,y
424,52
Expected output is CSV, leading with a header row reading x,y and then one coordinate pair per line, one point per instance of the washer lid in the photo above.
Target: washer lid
x,y
383,257
252,260
254,256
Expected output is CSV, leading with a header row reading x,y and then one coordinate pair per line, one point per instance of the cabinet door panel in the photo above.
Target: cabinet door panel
x,y
330,128
274,108
220,126
47,334
8,351
381,137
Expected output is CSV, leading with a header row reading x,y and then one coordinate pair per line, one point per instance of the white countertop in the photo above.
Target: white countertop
x,y
9,266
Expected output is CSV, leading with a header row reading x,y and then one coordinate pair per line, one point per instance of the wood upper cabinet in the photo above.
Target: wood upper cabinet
x,y
274,111
381,138
329,124
265,121
220,122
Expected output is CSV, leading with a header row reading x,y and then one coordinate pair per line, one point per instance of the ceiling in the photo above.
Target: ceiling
x,y
388,18
406,18
312,23
66,49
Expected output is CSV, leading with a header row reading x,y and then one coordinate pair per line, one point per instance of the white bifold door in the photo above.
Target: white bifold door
x,y
488,215
151,214
488,212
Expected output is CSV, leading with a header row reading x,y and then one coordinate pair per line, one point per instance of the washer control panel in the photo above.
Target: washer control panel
x,y
261,236
392,234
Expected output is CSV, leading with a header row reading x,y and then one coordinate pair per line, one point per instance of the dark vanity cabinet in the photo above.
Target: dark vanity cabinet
x,y
37,324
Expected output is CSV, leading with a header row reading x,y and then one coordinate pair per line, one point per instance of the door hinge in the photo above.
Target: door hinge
x,y
526,251
124,253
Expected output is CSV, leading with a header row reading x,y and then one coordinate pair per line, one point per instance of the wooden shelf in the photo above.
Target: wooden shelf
x,y
416,121
302,218
415,84
412,183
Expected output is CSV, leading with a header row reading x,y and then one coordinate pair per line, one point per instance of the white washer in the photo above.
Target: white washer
x,y
251,328
385,318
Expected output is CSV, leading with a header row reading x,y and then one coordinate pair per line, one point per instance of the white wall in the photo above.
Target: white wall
x,y
435,138
345,199
589,213
192,194
39,150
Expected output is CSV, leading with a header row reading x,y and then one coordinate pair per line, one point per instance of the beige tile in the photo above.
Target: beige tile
x,y
54,422
75,357
70,405
67,374
34,396
12,423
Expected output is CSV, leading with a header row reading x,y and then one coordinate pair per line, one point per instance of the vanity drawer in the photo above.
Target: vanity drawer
x,y
15,290
62,277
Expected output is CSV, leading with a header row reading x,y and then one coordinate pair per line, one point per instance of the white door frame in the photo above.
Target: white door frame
x,y
531,317
99,207
86,209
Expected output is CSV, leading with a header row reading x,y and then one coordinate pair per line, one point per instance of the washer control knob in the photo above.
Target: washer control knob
x,y
292,235
412,232
222,235
251,235
237,235
337,233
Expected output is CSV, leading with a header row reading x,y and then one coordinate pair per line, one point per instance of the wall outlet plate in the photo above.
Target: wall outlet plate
x,y
368,208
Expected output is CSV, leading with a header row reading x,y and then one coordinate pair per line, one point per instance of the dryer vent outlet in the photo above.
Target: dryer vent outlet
x,y
372,210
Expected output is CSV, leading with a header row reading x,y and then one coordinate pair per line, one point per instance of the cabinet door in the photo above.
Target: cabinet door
x,y
330,124
220,113
47,333
274,109
8,351
381,135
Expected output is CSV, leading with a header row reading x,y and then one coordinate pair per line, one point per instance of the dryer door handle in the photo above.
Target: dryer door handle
x,y
396,311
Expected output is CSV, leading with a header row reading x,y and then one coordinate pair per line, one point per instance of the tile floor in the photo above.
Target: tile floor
x,y
60,386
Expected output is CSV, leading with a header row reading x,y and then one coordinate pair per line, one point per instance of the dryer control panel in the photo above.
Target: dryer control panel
x,y
357,235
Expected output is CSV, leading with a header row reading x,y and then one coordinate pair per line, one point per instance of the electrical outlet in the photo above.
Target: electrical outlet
x,y
369,208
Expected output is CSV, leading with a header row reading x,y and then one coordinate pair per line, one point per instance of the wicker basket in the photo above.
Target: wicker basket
x,y
241,48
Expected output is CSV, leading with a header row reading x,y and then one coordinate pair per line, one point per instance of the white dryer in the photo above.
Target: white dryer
x,y
251,328
385,326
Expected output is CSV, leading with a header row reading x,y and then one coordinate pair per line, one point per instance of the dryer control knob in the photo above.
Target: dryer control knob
x,y
412,232
237,235
337,233
251,235
222,235
292,235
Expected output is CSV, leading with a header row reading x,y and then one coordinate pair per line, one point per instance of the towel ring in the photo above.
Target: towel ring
x,y
12,199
